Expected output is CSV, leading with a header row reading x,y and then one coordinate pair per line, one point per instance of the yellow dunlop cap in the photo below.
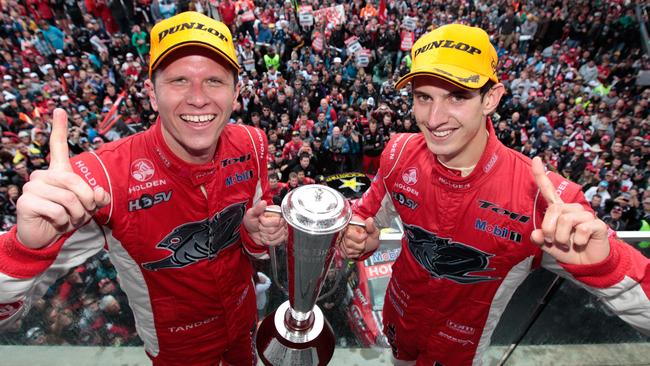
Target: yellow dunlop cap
x,y
458,53
190,29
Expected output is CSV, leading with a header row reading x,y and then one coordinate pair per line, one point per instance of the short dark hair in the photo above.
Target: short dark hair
x,y
486,88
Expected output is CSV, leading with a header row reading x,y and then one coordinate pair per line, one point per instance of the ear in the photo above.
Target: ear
x,y
492,98
148,84
235,103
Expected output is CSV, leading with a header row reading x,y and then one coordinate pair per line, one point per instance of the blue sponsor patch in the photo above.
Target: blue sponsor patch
x,y
498,231
239,177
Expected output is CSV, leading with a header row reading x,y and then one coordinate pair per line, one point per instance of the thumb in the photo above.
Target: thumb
x,y
370,226
102,198
257,210
537,237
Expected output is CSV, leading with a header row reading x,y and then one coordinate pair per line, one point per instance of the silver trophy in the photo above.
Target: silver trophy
x,y
296,333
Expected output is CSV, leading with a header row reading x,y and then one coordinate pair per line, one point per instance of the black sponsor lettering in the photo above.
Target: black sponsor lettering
x,y
188,26
185,26
447,43
502,211
240,159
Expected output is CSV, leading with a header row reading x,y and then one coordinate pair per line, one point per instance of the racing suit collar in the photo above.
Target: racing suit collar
x,y
484,167
194,174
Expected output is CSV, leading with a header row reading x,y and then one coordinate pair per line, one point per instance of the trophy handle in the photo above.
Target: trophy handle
x,y
274,270
272,255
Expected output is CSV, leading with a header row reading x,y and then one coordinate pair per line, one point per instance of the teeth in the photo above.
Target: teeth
x,y
441,133
197,118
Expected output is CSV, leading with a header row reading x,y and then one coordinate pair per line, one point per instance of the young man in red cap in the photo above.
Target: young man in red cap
x,y
478,217
180,208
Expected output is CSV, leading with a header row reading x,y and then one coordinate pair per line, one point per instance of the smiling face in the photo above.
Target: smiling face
x,y
194,96
452,119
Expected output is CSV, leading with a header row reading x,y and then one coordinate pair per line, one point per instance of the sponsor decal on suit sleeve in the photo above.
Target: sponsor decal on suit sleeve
x,y
86,173
196,241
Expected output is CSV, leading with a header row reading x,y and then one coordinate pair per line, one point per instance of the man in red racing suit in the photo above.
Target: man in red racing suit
x,y
174,233
174,230
476,221
467,248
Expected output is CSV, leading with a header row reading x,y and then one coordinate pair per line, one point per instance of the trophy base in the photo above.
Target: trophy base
x,y
279,345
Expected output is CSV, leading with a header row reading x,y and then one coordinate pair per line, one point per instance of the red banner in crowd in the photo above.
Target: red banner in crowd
x,y
383,13
112,117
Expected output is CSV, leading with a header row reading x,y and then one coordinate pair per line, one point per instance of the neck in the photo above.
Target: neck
x,y
466,161
192,157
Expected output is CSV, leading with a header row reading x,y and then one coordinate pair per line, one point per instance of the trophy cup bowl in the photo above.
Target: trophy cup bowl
x,y
296,333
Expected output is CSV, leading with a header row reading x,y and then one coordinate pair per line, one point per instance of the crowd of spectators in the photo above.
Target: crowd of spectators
x,y
572,70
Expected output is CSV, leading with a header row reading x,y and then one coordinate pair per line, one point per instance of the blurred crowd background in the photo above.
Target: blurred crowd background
x,y
317,77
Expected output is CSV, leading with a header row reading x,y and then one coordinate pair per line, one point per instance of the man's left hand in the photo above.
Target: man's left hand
x,y
265,228
569,232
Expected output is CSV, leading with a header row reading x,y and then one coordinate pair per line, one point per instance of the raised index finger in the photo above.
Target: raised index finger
x,y
544,184
59,155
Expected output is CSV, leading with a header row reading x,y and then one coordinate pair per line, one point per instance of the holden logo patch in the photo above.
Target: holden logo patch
x,y
142,170
410,176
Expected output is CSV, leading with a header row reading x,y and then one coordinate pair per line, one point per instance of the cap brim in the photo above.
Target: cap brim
x,y
451,73
206,45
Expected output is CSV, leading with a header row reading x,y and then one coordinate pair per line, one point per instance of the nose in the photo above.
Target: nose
x,y
197,96
437,115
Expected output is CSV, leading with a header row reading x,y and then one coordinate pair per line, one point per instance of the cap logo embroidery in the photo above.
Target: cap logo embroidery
x,y
447,43
470,79
192,25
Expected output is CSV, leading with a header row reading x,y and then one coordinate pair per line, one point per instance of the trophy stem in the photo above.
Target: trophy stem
x,y
298,321
278,343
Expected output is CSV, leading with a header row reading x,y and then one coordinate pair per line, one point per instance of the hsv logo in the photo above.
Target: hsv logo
x,y
443,258
142,170
8,310
148,201
502,211
404,201
410,176
196,241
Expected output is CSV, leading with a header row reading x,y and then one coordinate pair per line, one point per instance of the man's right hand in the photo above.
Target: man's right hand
x,y
357,240
56,201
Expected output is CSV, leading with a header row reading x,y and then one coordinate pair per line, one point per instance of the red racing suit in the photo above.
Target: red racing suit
x,y
466,248
174,233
